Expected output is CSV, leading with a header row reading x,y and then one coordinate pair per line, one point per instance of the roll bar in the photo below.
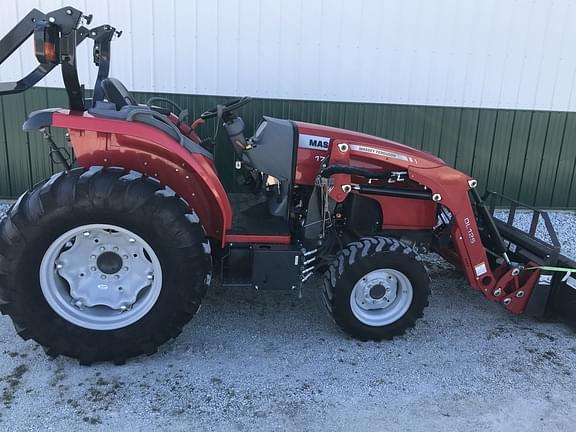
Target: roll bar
x,y
56,36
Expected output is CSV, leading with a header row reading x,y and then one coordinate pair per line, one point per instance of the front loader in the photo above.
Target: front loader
x,y
111,257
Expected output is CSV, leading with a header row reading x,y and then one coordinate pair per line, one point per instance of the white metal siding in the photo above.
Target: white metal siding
x,y
469,53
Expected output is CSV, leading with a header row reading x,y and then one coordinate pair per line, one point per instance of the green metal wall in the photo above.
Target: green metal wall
x,y
527,155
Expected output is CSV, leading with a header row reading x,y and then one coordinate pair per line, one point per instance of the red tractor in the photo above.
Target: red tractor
x,y
111,258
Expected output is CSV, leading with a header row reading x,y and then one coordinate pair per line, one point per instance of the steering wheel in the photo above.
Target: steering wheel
x,y
227,107
182,113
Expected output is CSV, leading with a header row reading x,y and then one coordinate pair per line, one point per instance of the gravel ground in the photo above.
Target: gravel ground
x,y
269,361
3,209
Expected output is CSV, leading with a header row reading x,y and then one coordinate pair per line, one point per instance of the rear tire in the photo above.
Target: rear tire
x,y
50,220
376,288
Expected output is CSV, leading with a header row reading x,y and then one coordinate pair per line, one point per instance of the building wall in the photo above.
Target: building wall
x,y
487,85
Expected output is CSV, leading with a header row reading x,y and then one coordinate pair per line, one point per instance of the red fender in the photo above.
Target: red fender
x,y
139,147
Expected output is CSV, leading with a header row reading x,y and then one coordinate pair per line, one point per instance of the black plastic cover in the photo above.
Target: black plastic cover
x,y
39,119
276,266
273,148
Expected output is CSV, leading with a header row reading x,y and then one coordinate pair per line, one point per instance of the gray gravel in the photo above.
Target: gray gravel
x,y
4,206
269,361
564,223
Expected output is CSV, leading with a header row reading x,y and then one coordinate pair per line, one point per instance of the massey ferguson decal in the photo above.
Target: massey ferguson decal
x,y
384,153
313,142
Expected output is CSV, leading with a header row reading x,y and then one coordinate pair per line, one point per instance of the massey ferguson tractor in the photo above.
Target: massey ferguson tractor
x,y
111,257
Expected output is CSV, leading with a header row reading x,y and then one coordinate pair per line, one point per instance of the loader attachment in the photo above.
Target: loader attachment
x,y
530,240
562,301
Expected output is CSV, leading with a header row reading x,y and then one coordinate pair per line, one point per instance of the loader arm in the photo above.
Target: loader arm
x,y
473,240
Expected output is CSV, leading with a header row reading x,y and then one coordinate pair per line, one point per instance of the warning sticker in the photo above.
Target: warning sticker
x,y
571,282
545,280
480,269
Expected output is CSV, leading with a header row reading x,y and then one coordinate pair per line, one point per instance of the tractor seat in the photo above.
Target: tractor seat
x,y
117,93
120,105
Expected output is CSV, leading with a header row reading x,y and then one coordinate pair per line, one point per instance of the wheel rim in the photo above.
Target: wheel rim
x,y
100,277
381,297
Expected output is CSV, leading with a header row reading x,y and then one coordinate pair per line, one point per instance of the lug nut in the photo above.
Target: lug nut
x,y
93,268
78,303
507,301
497,292
102,248
131,240
115,249
126,268
103,277
116,277
520,294
92,256
59,266
150,276
125,256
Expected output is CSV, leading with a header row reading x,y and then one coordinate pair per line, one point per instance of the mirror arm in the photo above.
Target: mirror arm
x,y
102,37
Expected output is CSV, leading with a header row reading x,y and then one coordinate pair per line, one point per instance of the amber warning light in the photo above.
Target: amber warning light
x,y
50,52
46,43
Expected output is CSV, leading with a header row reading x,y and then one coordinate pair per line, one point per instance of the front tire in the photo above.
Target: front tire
x,y
101,264
376,288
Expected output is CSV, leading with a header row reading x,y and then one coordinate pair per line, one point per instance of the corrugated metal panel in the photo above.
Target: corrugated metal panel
x,y
512,54
528,155
40,165
5,187
565,179
18,154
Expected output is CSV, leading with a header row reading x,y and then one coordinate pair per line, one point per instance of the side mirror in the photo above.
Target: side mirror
x,y
47,43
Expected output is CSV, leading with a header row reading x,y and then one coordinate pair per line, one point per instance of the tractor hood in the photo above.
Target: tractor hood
x,y
317,135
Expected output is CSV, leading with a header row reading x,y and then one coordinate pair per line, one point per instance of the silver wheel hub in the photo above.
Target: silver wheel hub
x,y
381,297
100,277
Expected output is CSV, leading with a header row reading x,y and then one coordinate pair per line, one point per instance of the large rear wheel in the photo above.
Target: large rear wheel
x,y
101,264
